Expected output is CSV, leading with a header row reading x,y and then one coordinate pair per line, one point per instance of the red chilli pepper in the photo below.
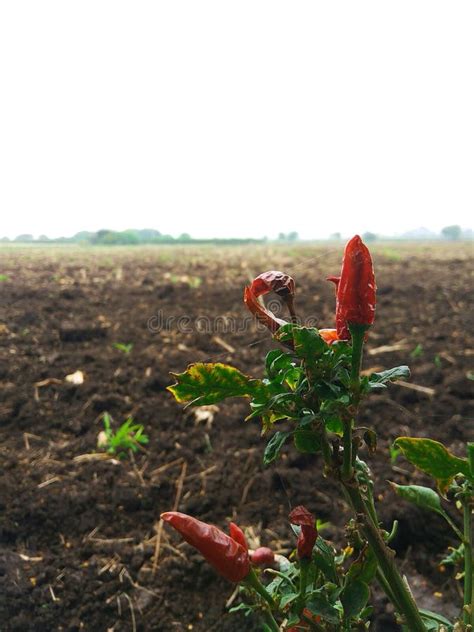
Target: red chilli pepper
x,y
227,554
355,288
308,534
238,535
271,281
263,556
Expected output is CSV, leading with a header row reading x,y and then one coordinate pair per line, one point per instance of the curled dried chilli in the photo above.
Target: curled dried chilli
x,y
272,281
308,534
228,556
263,556
355,288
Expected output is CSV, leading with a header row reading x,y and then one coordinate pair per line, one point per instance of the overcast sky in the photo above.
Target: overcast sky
x,y
236,118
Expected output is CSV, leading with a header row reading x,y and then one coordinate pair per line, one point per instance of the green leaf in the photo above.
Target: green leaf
x,y
323,558
434,459
274,446
379,380
208,383
307,441
285,333
308,343
318,604
433,620
277,360
334,424
354,597
282,404
364,567
288,598
424,497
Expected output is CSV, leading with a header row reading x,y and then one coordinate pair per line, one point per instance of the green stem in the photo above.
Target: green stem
x,y
253,582
357,335
347,468
270,621
304,567
386,588
326,448
380,576
384,555
468,614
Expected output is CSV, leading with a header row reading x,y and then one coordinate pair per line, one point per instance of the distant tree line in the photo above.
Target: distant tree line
x,y
129,237
132,237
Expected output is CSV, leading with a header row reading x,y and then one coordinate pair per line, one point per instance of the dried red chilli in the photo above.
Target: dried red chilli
x,y
355,288
263,556
271,281
238,535
225,553
302,517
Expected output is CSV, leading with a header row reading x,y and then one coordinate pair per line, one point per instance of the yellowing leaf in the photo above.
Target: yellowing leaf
x,y
208,383
434,459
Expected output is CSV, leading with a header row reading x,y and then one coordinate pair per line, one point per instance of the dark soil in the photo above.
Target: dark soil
x,y
78,533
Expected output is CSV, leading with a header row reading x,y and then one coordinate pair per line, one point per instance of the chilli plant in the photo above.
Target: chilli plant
x,y
312,392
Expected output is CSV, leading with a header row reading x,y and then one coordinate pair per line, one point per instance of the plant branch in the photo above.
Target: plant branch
x,y
270,621
304,566
357,335
347,468
398,588
468,613
253,582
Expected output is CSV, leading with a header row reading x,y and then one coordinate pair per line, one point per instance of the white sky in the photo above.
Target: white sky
x,y
236,118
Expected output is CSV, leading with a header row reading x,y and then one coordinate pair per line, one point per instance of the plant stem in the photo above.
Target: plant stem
x,y
468,613
326,448
403,599
347,469
386,588
253,582
357,335
304,566
270,621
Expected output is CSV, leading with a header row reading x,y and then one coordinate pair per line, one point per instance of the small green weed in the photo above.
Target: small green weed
x,y
124,348
417,351
129,436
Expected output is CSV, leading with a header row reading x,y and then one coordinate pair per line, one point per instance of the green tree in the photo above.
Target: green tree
x,y
25,237
369,236
452,232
